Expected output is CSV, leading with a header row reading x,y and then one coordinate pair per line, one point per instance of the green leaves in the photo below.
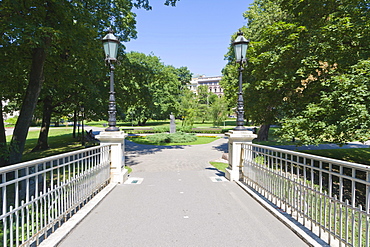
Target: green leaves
x,y
146,88
340,115
307,64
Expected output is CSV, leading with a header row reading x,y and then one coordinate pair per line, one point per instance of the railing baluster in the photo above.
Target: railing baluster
x,y
41,194
314,188
359,231
367,209
22,222
367,233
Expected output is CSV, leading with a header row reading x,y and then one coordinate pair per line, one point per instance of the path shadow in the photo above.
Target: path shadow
x,y
224,147
146,149
217,172
133,149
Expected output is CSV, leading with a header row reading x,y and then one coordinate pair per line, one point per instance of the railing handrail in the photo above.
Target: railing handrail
x,y
46,159
330,197
316,157
38,196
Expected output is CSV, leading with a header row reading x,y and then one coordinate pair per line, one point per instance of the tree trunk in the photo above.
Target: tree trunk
x,y
42,142
263,133
28,106
74,124
3,158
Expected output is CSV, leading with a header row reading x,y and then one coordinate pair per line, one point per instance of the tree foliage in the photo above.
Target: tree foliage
x,y
298,56
35,34
146,88
202,106
342,112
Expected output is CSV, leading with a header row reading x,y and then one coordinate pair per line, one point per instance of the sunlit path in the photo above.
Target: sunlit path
x,y
176,199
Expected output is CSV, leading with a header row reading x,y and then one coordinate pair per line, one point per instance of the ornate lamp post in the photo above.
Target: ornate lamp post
x,y
240,49
110,43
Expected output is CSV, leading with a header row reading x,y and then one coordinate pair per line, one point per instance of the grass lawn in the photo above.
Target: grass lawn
x,y
274,139
200,140
219,165
60,141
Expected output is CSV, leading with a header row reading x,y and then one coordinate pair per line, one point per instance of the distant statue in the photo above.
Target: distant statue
x,y
172,124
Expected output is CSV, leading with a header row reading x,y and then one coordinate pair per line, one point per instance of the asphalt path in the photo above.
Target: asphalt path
x,y
174,197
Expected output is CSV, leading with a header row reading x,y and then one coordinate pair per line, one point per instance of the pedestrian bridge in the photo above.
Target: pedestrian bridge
x,y
174,197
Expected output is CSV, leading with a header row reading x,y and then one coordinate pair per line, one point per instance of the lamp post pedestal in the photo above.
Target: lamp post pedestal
x,y
236,139
117,141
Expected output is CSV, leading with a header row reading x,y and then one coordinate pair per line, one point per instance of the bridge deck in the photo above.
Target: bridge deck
x,y
176,198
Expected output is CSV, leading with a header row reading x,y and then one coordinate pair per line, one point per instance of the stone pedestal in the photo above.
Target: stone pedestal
x,y
236,139
117,140
172,124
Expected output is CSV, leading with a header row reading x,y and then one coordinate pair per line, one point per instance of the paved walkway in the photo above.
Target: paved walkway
x,y
179,200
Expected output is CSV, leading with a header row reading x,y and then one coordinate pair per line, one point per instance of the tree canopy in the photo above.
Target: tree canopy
x,y
40,39
300,55
146,88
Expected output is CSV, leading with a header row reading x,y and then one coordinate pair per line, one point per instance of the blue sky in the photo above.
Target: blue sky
x,y
195,33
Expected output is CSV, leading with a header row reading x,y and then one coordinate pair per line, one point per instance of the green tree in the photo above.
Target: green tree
x,y
12,70
264,75
335,45
342,113
219,111
146,88
184,75
43,29
189,106
295,49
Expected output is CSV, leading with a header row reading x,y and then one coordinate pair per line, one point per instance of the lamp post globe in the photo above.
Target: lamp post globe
x,y
110,44
240,50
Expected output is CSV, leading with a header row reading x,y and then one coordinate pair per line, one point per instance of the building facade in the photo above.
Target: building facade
x,y
212,82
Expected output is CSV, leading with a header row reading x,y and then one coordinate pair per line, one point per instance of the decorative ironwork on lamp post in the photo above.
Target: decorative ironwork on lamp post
x,y
110,43
240,49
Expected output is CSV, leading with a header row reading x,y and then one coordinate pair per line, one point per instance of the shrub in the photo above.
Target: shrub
x,y
161,129
178,137
186,129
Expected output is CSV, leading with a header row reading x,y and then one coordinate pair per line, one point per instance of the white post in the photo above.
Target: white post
x,y
117,140
236,139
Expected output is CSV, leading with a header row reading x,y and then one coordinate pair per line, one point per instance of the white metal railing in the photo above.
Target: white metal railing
x,y
330,197
40,195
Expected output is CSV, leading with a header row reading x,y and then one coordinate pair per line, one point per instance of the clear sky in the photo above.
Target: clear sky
x,y
195,33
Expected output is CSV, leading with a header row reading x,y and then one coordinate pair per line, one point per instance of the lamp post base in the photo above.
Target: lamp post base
x,y
112,128
236,141
118,172
240,128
